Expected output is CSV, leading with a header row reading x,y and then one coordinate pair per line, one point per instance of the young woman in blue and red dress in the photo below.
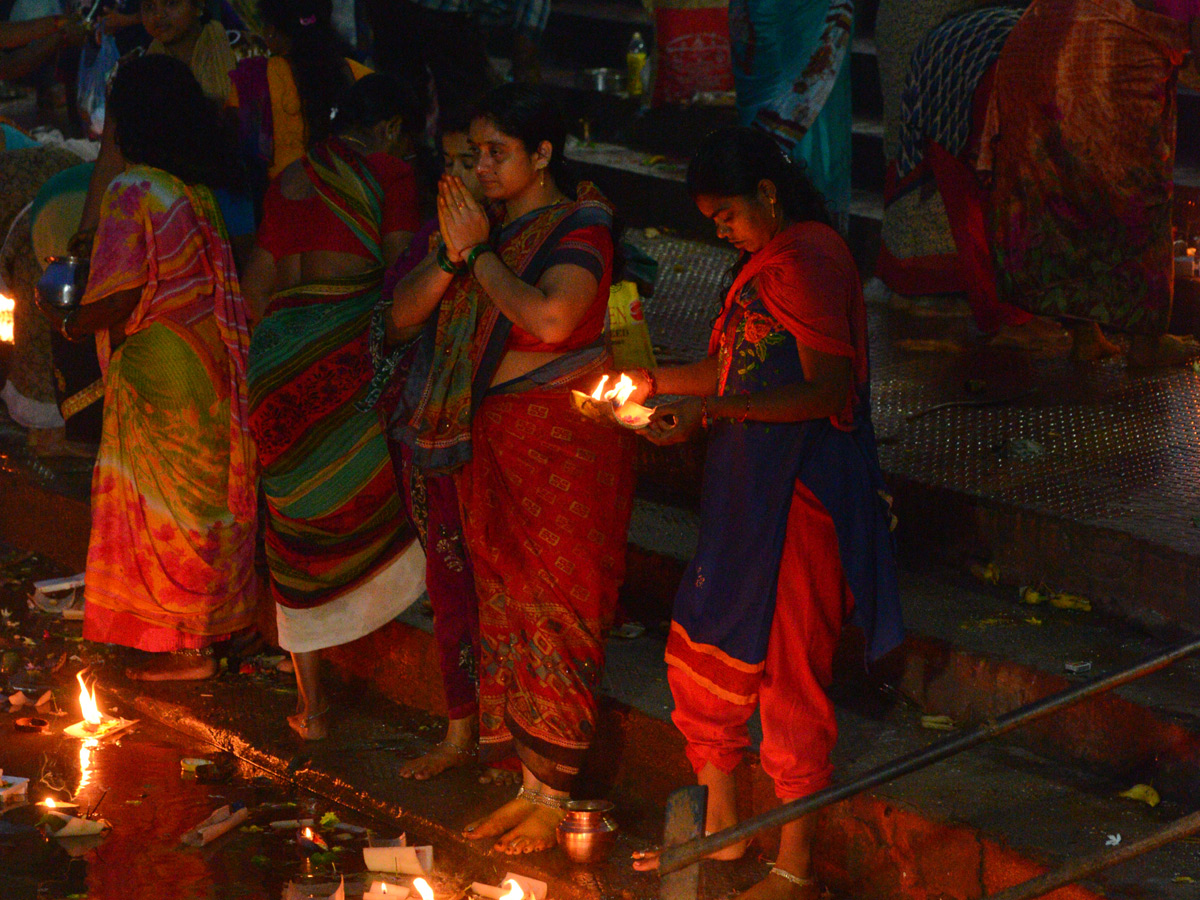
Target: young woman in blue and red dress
x,y
794,534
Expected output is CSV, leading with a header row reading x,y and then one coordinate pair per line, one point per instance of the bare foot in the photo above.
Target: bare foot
x,y
494,775
776,887
1089,343
1162,352
179,665
310,727
537,832
507,817
646,860
722,809
445,755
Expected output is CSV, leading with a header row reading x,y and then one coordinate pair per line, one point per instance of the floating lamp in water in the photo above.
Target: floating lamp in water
x,y
60,823
95,724
383,890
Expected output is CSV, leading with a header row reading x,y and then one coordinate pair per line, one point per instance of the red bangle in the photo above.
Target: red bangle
x,y
649,376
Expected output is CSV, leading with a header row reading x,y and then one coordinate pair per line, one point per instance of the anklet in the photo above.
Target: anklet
x,y
541,799
794,879
461,752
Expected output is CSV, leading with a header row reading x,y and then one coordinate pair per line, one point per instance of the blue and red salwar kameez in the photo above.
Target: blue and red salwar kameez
x,y
794,534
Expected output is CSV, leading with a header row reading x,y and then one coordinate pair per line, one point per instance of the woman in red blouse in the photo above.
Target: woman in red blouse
x,y
518,318
341,553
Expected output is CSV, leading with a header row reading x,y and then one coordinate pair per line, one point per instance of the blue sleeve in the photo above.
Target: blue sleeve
x,y
237,210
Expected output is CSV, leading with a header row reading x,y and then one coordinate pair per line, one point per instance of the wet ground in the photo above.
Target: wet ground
x,y
136,783
135,780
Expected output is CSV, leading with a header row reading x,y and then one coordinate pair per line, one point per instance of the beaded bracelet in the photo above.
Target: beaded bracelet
x,y
444,263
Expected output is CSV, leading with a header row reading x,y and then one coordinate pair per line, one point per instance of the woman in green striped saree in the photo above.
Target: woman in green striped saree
x,y
341,553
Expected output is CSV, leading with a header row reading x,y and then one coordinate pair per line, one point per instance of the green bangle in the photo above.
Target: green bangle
x,y
65,325
443,261
477,251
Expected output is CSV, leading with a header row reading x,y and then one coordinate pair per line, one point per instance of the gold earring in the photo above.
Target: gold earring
x,y
542,178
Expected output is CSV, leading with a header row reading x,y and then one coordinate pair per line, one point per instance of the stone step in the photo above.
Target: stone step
x,y
975,651
986,819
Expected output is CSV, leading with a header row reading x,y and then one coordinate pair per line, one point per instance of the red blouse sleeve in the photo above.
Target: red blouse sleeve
x,y
399,183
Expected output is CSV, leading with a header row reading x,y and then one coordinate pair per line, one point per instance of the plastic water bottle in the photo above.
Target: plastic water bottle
x,y
635,63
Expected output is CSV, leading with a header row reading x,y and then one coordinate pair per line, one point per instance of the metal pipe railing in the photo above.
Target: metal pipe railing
x,y
1078,869
683,855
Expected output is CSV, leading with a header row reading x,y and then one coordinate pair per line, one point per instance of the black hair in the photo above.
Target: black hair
x,y
317,56
730,162
531,114
162,119
377,98
455,120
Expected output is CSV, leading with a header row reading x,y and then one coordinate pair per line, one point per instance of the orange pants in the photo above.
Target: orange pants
x,y
799,729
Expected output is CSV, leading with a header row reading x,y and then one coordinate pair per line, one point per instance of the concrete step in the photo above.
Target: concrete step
x,y
960,825
986,819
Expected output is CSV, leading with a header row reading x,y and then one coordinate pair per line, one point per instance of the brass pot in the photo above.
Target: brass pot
x,y
586,834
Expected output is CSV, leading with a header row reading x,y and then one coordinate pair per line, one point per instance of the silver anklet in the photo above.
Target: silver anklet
x,y
794,879
560,803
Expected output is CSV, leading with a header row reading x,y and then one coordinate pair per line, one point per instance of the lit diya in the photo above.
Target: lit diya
x,y
95,724
612,405
60,823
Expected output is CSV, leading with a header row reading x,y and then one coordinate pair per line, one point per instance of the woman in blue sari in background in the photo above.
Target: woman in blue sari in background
x,y
791,63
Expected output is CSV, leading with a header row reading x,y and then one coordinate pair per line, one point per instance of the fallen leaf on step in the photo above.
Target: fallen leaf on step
x,y
1114,840
937,723
989,573
1070,601
1142,793
1184,879
1032,596
1033,620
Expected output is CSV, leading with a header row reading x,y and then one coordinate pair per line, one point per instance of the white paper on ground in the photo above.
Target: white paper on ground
x,y
13,788
399,860
77,827
531,886
220,822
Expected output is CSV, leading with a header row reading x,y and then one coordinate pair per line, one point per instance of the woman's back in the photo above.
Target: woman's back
x,y
310,242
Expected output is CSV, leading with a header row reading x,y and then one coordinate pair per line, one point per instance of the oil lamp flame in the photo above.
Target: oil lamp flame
x,y
50,804
514,892
423,888
6,319
87,703
308,834
617,394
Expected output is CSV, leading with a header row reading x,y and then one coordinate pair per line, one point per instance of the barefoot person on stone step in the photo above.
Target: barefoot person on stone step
x,y
431,501
545,494
794,533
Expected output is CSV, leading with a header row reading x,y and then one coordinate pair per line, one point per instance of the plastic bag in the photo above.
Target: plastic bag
x,y
630,337
95,67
